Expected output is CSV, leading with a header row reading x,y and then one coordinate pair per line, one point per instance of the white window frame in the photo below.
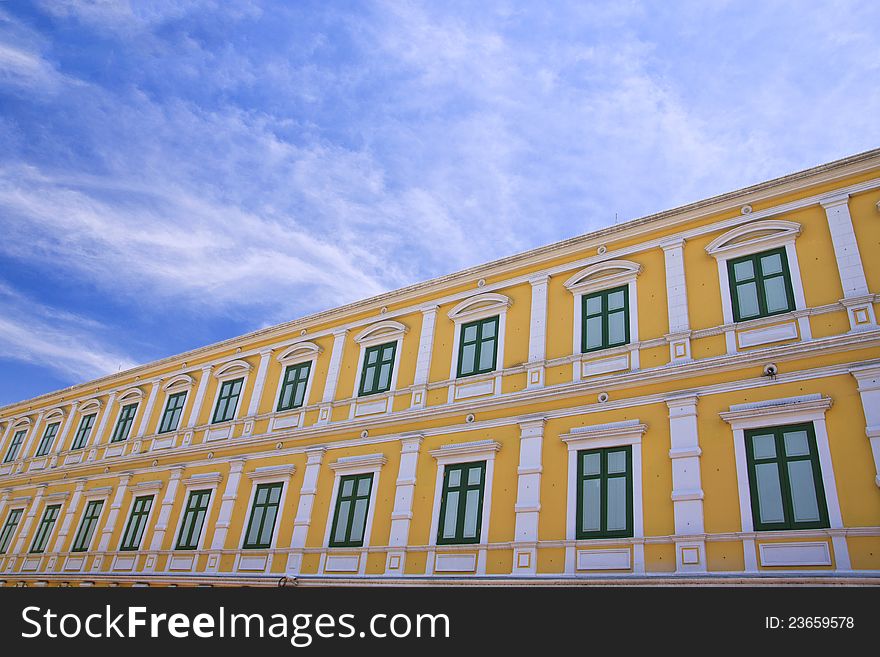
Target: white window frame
x,y
376,334
479,450
180,383
270,474
601,436
10,507
596,278
750,239
91,496
16,426
236,369
774,413
130,396
205,481
480,306
352,465
145,489
91,406
296,354
52,416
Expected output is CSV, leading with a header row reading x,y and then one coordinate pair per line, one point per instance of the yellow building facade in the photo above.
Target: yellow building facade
x,y
690,396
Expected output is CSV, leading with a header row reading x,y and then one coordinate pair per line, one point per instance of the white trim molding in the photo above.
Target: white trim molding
x,y
578,554
351,560
380,333
868,378
595,278
748,239
774,413
469,558
480,306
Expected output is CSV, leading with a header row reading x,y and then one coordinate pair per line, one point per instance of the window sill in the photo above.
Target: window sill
x,y
604,361
475,385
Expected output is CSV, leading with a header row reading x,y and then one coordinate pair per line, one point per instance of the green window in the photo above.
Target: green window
x,y
173,410
785,479
461,505
137,523
193,520
264,512
293,386
123,424
14,446
760,285
227,400
47,439
352,505
378,363
604,501
87,526
479,347
9,528
44,530
82,433
605,319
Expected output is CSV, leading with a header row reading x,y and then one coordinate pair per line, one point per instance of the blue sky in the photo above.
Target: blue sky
x,y
173,174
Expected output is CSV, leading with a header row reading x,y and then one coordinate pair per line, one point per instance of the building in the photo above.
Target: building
x,y
687,396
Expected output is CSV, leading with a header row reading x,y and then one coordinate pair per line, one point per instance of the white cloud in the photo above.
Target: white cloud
x,y
61,341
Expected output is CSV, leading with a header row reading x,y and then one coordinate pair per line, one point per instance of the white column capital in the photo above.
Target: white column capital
x,y
672,242
539,279
833,200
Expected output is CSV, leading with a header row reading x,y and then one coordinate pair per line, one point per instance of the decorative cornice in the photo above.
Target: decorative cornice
x,y
271,472
357,463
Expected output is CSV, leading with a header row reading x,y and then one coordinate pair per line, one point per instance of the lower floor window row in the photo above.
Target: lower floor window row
x,y
785,484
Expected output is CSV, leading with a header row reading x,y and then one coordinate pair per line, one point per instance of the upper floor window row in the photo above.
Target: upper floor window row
x,y
759,283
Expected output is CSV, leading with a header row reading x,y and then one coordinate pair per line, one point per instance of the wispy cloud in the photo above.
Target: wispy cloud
x,y
60,341
246,163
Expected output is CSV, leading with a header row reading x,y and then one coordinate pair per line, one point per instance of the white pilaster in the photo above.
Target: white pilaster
x,y
27,522
148,410
423,363
164,516
325,410
856,296
68,516
401,516
528,496
227,505
66,428
679,336
4,446
95,438
537,332
687,490
200,397
30,439
303,519
260,382
110,522
868,377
